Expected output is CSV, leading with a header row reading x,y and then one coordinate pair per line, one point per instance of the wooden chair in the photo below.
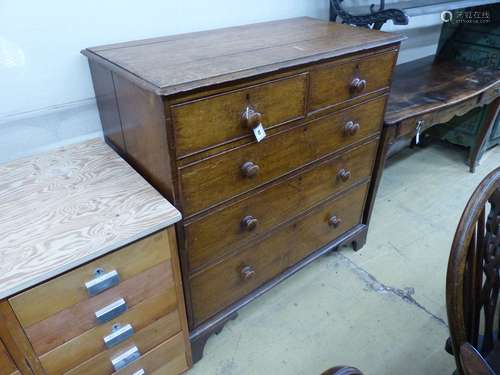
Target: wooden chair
x,y
342,370
472,361
473,280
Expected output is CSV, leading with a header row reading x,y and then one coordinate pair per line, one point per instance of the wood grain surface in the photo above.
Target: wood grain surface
x,y
174,64
420,87
63,208
219,286
220,232
218,178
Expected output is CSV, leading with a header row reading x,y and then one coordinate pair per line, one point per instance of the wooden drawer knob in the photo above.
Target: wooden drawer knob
x,y
251,118
351,128
334,221
344,175
249,169
247,272
249,223
358,85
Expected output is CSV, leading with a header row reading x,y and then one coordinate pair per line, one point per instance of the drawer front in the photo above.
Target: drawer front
x,y
145,340
211,121
61,293
335,83
167,358
7,366
226,175
225,283
210,237
142,318
80,318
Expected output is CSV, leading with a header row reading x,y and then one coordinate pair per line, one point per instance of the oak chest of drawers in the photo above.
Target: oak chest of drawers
x,y
186,111
90,279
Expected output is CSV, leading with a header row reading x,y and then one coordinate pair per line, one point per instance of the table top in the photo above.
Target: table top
x,y
66,207
421,86
179,63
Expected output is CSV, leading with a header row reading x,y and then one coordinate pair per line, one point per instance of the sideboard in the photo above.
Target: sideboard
x,y
264,136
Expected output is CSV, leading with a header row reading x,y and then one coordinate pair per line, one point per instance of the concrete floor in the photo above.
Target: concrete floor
x,y
381,309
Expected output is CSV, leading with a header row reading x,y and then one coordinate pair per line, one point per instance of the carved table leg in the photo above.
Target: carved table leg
x,y
484,132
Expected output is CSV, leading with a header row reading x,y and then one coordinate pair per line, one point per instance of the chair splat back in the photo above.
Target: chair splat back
x,y
472,281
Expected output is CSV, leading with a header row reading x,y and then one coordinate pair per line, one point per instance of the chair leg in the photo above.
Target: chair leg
x,y
484,132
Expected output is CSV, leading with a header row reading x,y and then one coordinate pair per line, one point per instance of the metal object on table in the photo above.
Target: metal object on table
x,y
375,19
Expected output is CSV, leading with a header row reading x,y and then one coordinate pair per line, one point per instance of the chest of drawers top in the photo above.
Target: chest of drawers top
x,y
63,208
180,63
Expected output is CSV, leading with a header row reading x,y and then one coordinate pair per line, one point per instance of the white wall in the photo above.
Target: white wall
x,y
46,95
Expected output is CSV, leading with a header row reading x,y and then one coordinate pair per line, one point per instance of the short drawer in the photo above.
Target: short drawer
x,y
233,278
210,237
226,175
63,292
74,321
159,311
216,119
337,83
134,352
7,366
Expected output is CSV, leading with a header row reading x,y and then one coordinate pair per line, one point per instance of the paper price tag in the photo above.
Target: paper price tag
x,y
259,133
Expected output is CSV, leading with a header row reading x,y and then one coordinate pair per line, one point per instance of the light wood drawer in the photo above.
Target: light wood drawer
x,y
218,178
223,284
145,340
80,318
91,343
167,358
214,120
214,235
7,366
334,83
63,292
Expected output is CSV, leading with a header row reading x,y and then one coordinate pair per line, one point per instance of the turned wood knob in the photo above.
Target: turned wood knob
x,y
358,85
247,272
334,221
249,223
351,128
251,118
249,169
344,174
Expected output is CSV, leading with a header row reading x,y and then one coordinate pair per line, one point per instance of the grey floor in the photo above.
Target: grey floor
x,y
381,309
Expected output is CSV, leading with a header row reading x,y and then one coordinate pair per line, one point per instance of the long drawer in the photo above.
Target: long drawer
x,y
233,278
210,237
216,119
218,178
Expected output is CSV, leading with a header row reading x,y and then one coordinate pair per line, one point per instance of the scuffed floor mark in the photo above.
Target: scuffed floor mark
x,y
406,294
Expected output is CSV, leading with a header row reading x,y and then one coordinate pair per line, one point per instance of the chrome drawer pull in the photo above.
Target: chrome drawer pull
x,y
119,334
111,311
140,372
102,282
125,358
